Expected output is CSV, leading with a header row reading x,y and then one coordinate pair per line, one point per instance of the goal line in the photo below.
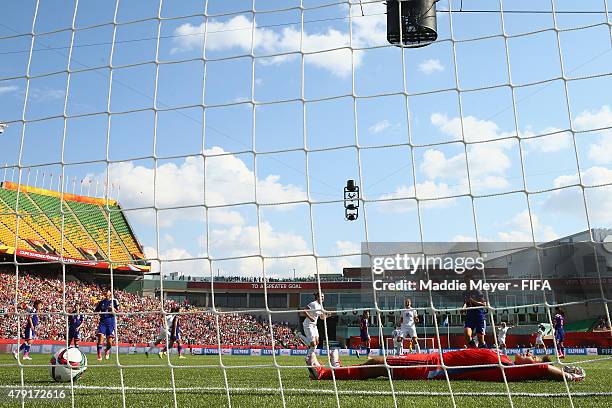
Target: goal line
x,y
301,391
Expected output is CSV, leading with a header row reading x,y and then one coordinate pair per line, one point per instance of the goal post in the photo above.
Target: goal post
x,y
204,147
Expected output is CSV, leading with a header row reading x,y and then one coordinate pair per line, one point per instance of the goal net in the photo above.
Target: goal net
x,y
188,163
427,343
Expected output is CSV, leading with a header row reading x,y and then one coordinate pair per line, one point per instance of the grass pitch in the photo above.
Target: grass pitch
x,y
201,382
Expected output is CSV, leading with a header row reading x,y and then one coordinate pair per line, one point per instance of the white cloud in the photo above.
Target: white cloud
x,y
475,130
520,227
348,247
8,89
237,33
436,165
182,183
590,177
431,66
427,190
569,201
594,119
175,259
291,251
600,152
46,94
380,126
464,238
488,162
552,143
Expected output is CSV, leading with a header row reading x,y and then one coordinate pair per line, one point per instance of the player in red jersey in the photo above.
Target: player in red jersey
x,y
461,365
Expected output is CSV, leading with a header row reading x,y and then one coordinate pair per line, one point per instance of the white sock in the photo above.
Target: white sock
x,y
416,346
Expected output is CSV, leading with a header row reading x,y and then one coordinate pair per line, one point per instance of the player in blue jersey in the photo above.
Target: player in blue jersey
x,y
364,334
475,318
107,308
32,320
75,320
174,325
559,326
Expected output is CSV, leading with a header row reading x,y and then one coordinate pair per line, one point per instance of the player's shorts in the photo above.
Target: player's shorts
x,y
408,332
311,331
479,326
501,341
176,338
28,332
107,329
74,334
559,335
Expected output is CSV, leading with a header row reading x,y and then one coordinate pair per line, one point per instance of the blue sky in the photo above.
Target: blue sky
x,y
396,147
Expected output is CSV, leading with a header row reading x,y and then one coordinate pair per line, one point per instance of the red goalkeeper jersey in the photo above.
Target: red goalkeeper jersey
x,y
462,365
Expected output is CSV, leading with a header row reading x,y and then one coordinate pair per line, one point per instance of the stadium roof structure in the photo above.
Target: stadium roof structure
x,y
48,226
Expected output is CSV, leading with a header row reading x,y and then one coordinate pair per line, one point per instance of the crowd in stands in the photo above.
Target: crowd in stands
x,y
601,324
260,279
139,320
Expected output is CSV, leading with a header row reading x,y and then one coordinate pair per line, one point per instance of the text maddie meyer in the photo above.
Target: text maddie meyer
x,y
456,285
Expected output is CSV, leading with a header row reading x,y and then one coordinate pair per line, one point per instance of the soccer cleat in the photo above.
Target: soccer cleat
x,y
575,373
99,357
160,354
26,357
182,356
314,367
16,355
357,353
147,354
107,354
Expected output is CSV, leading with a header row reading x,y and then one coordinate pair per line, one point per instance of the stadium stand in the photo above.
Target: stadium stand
x,y
72,231
135,326
71,226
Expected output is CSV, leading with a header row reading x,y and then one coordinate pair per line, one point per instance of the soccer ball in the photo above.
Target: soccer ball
x,y
67,364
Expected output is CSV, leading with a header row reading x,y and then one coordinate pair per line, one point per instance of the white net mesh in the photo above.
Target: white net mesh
x,y
227,130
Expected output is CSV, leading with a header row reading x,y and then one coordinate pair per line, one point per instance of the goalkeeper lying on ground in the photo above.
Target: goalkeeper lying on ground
x,y
461,365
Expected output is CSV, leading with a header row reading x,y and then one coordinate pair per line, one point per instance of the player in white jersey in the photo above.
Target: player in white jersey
x,y
398,341
502,331
313,311
409,319
539,342
162,336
